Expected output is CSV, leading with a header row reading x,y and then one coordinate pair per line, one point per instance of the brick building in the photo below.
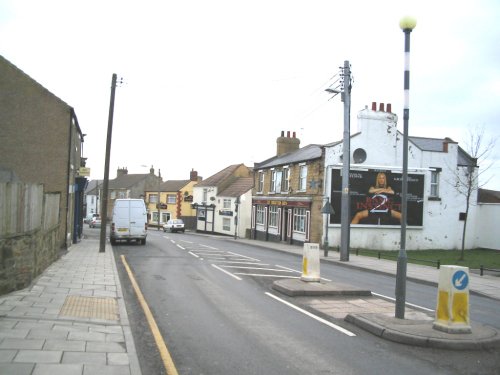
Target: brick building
x,y
288,193
40,142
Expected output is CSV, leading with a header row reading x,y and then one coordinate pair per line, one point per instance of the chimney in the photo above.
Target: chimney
x,y
121,172
286,144
389,108
445,145
193,175
374,106
381,107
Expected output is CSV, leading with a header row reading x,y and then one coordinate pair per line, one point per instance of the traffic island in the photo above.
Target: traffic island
x,y
420,332
298,287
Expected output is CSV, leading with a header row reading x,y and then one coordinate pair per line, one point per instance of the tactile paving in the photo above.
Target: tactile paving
x,y
90,307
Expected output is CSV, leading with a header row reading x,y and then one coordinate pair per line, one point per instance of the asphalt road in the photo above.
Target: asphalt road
x,y
214,310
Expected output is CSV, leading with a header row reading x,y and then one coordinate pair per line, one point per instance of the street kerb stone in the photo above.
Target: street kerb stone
x,y
297,287
90,307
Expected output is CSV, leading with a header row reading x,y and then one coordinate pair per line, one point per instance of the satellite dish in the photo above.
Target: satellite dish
x,y
359,156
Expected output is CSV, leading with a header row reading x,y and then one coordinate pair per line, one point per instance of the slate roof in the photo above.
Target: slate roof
x,y
488,196
305,153
238,188
126,181
219,177
173,185
92,187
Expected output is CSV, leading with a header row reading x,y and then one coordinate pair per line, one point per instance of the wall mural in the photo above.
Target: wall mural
x,y
376,197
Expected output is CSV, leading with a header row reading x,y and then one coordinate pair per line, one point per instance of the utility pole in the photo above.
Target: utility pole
x,y
104,199
346,164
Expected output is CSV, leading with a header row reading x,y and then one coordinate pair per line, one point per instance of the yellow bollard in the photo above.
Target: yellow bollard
x,y
452,311
310,263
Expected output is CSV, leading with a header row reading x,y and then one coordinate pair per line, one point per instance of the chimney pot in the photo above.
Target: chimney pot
x,y
288,133
389,107
282,133
374,106
293,134
381,107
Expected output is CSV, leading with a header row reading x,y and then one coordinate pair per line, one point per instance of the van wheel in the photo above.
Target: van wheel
x,y
143,241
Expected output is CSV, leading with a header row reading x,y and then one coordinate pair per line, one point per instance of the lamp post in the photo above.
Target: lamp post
x,y
327,210
407,24
236,203
159,200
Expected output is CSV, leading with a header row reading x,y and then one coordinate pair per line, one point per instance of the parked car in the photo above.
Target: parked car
x,y
95,222
176,225
89,218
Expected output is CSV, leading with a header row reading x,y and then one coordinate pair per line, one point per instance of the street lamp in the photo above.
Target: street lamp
x,y
407,24
327,210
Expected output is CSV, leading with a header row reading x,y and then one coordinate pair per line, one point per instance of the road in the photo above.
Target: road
x,y
213,303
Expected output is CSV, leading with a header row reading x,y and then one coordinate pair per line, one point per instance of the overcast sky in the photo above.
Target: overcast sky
x,y
212,83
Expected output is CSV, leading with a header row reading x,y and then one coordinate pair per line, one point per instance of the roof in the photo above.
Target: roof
x,y
219,177
488,196
238,188
430,144
305,153
92,186
126,181
173,185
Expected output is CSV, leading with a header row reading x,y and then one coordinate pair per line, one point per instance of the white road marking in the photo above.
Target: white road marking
x,y
193,254
180,247
407,303
256,268
262,275
321,320
209,247
244,256
292,270
236,262
226,272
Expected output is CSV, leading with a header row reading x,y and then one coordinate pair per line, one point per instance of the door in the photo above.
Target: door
x,y
137,217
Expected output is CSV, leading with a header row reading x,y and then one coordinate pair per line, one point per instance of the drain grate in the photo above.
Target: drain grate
x,y
90,307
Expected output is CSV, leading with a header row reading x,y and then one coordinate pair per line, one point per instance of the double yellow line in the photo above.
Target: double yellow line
x,y
160,343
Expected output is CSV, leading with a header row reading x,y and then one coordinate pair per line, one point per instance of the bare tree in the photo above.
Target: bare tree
x,y
469,177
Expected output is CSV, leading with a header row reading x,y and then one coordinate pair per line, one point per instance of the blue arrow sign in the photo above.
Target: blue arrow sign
x,y
460,280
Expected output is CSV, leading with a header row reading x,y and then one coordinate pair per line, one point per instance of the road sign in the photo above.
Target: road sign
x,y
452,311
460,280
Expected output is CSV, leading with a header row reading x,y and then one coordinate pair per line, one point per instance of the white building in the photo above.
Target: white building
x,y
223,202
435,208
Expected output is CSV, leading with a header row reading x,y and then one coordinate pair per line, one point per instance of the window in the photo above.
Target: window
x,y
261,182
299,220
226,224
273,216
303,178
205,195
153,198
259,219
91,199
122,194
277,183
272,188
226,204
165,216
285,180
171,199
435,184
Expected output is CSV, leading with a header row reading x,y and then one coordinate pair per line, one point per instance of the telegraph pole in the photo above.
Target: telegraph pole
x,y
104,199
346,163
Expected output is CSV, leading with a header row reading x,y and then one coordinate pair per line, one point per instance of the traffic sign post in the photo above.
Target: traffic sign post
x,y
310,263
452,312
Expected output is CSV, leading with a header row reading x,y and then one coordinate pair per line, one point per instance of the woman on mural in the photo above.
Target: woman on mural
x,y
380,200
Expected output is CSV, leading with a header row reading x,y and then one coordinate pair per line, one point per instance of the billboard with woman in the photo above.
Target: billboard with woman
x,y
376,197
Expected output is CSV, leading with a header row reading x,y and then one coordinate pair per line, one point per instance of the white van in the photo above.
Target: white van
x,y
130,221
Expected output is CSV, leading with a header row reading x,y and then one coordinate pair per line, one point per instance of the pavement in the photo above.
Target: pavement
x,y
72,319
